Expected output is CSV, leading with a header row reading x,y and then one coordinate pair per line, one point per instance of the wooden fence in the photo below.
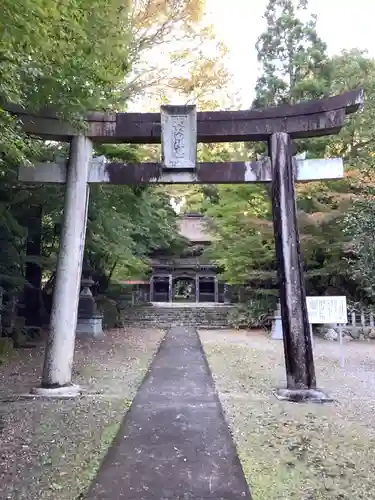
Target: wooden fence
x,y
360,318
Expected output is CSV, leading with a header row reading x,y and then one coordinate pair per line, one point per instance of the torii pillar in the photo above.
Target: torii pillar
x,y
299,361
58,360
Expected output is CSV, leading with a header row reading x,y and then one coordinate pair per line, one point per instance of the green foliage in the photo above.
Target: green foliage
x,y
356,142
360,227
70,55
174,52
292,55
124,226
241,244
12,232
296,66
74,55
256,313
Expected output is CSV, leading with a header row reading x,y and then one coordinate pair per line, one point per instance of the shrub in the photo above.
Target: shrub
x,y
6,348
110,310
257,313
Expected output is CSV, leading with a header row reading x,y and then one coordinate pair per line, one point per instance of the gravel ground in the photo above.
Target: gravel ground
x,y
298,451
52,449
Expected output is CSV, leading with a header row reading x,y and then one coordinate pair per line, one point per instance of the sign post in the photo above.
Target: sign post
x,y
342,354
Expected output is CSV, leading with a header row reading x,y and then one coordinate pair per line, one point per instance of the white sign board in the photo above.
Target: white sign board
x,y
327,310
179,136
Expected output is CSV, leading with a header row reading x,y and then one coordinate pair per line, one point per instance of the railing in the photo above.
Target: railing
x,y
359,317
134,297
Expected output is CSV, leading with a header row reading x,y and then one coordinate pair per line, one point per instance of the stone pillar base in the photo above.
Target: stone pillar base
x,y
90,327
302,395
66,392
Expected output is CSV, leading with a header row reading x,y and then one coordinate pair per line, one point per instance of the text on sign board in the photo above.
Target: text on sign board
x,y
326,310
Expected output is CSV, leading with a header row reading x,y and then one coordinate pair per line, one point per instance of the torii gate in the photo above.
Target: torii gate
x,y
179,128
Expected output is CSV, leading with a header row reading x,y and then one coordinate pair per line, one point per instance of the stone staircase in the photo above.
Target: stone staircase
x,y
212,316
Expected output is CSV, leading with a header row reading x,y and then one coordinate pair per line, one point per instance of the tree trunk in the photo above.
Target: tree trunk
x,y
33,272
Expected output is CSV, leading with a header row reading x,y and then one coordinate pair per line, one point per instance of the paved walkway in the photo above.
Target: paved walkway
x,y
174,443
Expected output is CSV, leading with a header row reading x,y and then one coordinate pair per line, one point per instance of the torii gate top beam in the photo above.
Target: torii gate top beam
x,y
305,119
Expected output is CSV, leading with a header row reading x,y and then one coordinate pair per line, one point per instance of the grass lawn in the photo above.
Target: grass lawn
x,y
51,450
298,451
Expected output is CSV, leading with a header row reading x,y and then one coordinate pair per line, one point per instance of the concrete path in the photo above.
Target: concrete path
x,y
174,443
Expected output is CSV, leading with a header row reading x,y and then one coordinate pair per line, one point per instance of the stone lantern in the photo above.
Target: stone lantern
x,y
89,321
277,326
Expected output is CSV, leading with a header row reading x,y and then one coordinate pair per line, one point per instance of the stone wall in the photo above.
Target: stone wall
x,y
148,315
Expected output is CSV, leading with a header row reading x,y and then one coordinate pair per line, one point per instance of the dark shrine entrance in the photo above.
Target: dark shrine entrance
x,y
184,289
159,292
180,287
207,289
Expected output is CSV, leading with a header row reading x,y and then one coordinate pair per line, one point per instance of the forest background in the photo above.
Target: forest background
x,y
77,56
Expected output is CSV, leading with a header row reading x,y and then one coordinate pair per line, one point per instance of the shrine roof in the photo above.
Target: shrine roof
x,y
193,227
